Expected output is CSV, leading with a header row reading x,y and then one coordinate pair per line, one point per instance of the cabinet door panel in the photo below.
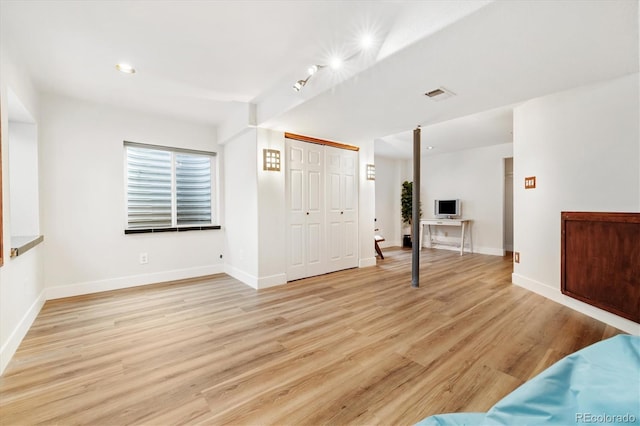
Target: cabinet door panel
x,y
296,242
333,192
295,191
342,238
335,241
305,209
351,242
601,260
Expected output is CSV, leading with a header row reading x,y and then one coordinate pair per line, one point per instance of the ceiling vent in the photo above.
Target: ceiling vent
x,y
439,94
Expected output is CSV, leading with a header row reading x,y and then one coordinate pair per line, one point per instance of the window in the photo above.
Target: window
x,y
169,189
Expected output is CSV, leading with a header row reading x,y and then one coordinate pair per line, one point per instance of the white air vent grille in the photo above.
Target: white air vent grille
x,y
439,94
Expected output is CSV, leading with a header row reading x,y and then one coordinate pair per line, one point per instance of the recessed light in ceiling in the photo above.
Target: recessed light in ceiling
x,y
429,147
439,94
126,68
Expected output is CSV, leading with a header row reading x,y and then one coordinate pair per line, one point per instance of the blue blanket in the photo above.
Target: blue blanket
x,y
599,384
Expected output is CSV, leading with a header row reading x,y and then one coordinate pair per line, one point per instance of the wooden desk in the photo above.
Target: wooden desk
x,y
465,224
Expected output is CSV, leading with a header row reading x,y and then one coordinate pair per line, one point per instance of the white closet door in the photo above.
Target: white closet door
x,y
342,208
305,209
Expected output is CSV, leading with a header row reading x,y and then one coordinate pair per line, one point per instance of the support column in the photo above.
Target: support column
x,y
415,214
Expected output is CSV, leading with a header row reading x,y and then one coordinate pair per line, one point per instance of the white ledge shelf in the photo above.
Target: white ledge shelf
x,y
20,245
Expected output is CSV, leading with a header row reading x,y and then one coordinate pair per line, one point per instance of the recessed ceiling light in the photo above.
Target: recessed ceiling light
x,y
429,147
126,68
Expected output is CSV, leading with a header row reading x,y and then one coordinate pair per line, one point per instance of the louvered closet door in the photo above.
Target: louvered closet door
x,y
305,209
342,208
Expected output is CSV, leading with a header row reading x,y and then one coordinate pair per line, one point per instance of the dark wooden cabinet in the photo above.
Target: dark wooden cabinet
x,y
601,260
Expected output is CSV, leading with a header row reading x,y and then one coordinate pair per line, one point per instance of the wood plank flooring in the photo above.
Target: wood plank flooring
x,y
352,347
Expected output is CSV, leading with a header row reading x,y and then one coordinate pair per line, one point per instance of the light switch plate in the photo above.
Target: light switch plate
x,y
530,182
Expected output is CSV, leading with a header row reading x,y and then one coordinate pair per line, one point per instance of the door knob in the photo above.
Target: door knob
x,y
341,212
307,213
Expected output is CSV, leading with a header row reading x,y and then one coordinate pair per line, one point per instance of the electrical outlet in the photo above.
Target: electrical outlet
x,y
144,258
516,257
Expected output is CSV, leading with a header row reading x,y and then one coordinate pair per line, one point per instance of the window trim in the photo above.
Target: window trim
x,y
215,190
169,148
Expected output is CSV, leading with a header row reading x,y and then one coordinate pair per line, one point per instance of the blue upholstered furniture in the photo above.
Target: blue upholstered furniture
x,y
599,384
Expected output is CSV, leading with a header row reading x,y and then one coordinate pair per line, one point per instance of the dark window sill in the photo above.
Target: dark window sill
x,y
173,229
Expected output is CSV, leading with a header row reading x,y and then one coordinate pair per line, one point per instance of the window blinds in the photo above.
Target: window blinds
x,y
167,188
193,189
148,188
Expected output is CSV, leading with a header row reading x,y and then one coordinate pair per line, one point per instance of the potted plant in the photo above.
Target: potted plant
x,y
406,203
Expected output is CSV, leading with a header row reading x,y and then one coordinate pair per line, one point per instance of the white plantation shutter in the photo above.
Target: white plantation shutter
x,y
193,189
148,188
168,188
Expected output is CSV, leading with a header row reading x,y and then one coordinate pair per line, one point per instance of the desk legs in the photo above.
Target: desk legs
x,y
465,228
421,240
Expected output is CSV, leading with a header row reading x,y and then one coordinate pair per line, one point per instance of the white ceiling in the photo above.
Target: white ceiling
x,y
472,131
196,60
504,54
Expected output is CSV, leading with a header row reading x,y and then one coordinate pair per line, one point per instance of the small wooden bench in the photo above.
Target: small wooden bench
x,y
379,239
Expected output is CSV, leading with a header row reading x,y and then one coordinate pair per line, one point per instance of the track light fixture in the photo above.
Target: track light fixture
x,y
336,62
310,72
300,84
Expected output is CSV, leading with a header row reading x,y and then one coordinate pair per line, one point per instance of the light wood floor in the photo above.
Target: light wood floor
x,y
353,347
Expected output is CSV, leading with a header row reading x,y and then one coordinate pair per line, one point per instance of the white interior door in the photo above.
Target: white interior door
x,y
305,209
342,208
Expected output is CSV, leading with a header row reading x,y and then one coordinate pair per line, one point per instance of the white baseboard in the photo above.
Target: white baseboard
x,y
479,250
240,275
492,251
368,261
387,244
272,280
556,295
130,281
12,343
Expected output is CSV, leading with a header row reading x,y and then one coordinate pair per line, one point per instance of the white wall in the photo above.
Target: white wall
x,y
21,278
272,249
583,146
83,195
255,225
241,207
23,178
388,188
367,205
476,177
